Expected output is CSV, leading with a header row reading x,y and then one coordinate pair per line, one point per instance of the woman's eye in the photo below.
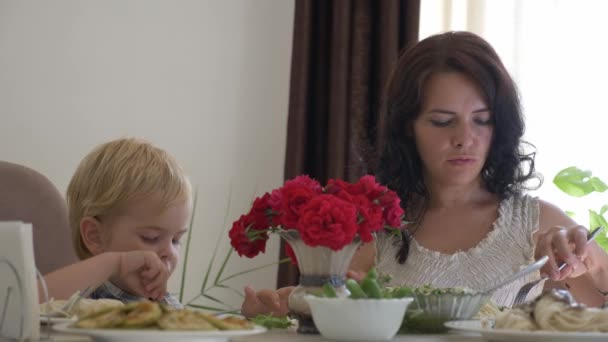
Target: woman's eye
x,y
483,122
440,123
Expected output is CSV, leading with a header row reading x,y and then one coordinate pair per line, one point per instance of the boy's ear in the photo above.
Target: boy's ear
x,y
90,231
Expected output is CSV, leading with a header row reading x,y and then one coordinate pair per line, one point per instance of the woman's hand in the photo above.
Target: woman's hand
x,y
265,302
567,245
356,275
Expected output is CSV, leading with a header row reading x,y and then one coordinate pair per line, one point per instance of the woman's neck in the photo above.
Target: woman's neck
x,y
444,196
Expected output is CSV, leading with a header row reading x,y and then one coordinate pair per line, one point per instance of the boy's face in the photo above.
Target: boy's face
x,y
144,225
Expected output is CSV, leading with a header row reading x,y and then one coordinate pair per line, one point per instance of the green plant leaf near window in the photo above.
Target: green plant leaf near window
x,y
578,183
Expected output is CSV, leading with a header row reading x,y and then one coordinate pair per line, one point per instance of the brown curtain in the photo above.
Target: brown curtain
x,y
343,52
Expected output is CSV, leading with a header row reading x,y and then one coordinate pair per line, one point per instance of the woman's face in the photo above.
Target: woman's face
x,y
453,131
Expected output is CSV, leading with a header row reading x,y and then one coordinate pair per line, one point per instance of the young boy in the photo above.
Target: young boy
x,y
129,205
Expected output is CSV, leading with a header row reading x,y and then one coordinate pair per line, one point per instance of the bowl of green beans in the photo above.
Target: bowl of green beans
x,y
368,314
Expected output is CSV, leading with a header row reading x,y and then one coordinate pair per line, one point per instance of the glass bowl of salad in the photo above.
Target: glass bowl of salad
x,y
432,307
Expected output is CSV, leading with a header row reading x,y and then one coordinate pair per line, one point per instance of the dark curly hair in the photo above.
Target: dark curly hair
x,y
507,168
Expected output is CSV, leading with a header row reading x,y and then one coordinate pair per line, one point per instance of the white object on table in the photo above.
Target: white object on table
x,y
492,334
19,309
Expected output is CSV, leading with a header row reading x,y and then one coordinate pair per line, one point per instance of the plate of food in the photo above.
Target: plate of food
x,y
554,316
151,322
54,310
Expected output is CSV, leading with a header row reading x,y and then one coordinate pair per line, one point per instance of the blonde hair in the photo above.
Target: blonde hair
x,y
115,173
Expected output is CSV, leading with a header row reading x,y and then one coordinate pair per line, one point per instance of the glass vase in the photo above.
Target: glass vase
x,y
317,266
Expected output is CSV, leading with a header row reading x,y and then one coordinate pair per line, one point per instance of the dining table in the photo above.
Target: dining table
x,y
276,335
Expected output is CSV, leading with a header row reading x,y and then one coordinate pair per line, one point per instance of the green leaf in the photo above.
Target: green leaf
x,y
211,262
602,240
570,213
604,209
253,269
237,292
597,184
205,307
219,301
186,254
271,322
576,182
221,271
595,219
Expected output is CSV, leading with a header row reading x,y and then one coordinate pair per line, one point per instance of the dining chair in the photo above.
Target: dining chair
x,y
28,196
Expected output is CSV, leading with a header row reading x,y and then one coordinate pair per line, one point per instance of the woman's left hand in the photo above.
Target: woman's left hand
x,y
567,245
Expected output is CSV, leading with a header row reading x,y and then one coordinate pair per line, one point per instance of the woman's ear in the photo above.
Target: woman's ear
x,y
90,231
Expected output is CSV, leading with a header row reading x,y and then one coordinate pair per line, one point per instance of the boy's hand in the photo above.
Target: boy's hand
x,y
143,273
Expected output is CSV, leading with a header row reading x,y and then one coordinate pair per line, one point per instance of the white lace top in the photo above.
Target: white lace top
x,y
507,247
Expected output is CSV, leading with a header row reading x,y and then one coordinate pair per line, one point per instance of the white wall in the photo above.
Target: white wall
x,y
206,80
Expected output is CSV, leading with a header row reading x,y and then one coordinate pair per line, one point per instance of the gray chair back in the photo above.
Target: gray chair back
x,y
28,196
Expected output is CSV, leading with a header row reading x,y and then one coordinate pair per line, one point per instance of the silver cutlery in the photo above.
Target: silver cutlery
x,y
526,288
524,271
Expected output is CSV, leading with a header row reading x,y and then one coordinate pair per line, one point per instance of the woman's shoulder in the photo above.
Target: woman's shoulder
x,y
551,215
518,215
522,205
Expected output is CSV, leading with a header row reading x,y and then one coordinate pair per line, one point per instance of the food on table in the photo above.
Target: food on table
x,y
108,318
228,323
515,319
141,314
488,311
369,287
84,307
184,320
554,310
146,314
272,322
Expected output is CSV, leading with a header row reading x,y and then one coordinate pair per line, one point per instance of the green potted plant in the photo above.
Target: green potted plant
x,y
578,183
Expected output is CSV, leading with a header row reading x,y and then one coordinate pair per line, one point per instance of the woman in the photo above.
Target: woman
x,y
453,153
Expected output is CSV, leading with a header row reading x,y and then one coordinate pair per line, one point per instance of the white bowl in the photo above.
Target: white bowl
x,y
358,319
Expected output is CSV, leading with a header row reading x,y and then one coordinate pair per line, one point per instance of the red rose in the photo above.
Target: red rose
x,y
288,200
328,221
393,212
336,186
370,217
241,242
261,212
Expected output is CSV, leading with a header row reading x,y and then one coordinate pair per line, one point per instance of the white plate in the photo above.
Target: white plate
x,y
153,335
492,334
44,319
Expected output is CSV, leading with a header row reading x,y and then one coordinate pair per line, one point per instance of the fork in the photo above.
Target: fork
x,y
526,288
69,305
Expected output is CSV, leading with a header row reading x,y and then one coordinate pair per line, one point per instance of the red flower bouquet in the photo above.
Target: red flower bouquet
x,y
330,216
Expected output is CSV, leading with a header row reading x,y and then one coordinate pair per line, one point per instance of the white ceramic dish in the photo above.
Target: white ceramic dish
x,y
492,334
154,335
358,319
